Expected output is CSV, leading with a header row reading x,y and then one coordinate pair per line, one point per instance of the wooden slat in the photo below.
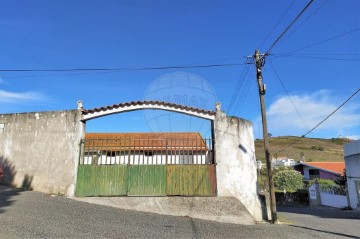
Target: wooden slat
x,y
102,180
85,181
190,180
212,179
147,180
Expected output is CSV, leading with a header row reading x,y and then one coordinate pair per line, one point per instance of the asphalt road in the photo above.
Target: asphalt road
x,y
36,215
331,220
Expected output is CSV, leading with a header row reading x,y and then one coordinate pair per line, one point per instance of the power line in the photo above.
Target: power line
x,y
320,58
318,54
287,93
305,20
239,84
56,75
277,23
323,41
291,24
239,88
124,69
248,84
304,135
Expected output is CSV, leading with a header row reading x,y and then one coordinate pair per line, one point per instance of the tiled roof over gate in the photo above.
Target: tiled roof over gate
x,y
140,141
160,103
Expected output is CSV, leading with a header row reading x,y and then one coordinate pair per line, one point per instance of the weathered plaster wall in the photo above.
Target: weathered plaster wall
x,y
352,162
40,150
236,163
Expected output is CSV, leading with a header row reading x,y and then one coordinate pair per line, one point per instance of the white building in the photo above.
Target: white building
x,y
283,162
352,162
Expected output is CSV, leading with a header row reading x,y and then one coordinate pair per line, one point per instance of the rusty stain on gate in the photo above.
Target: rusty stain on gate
x,y
146,164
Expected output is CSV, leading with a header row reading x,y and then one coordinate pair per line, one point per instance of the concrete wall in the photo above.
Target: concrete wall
x,y
352,163
235,162
40,151
326,198
331,200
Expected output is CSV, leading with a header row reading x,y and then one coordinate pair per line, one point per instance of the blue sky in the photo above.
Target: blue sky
x,y
133,34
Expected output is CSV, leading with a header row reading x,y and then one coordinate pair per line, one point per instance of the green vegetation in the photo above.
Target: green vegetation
x,y
313,147
288,181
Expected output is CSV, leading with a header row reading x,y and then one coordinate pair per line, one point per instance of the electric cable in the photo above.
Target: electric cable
x,y
277,23
287,93
286,29
305,20
123,69
327,117
238,85
323,41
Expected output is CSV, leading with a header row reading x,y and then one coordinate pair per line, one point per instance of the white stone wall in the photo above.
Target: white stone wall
x,y
41,149
235,162
328,199
352,162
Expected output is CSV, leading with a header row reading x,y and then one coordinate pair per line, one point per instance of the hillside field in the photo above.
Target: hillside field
x,y
314,149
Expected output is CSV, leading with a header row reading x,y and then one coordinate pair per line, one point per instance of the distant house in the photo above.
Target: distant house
x,y
323,170
146,148
282,161
352,161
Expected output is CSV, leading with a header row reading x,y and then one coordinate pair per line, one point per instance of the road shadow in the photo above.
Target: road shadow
x,y
9,171
6,196
332,233
7,191
321,211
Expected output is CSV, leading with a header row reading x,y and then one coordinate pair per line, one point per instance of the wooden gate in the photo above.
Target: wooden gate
x,y
146,164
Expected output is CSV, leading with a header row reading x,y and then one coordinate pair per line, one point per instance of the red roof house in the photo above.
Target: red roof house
x,y
324,170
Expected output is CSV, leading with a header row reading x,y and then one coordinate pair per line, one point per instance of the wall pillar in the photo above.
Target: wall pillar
x,y
236,162
314,195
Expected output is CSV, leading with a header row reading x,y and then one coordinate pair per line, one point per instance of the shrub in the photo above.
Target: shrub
x,y
288,180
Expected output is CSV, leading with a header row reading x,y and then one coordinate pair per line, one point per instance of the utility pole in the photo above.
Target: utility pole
x,y
260,61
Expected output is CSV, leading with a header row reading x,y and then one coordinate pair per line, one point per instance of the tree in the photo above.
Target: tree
x,y
288,180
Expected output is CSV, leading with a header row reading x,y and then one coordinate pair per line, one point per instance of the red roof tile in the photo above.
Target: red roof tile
x,y
140,141
337,167
115,106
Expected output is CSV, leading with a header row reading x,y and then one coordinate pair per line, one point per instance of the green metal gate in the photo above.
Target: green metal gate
x,y
146,180
114,168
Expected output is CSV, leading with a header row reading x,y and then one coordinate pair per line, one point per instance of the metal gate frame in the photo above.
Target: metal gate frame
x,y
154,179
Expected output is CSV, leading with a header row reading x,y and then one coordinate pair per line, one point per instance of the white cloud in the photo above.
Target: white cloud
x,y
283,119
355,137
12,97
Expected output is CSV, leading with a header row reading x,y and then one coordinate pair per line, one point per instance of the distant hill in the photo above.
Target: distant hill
x,y
313,149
